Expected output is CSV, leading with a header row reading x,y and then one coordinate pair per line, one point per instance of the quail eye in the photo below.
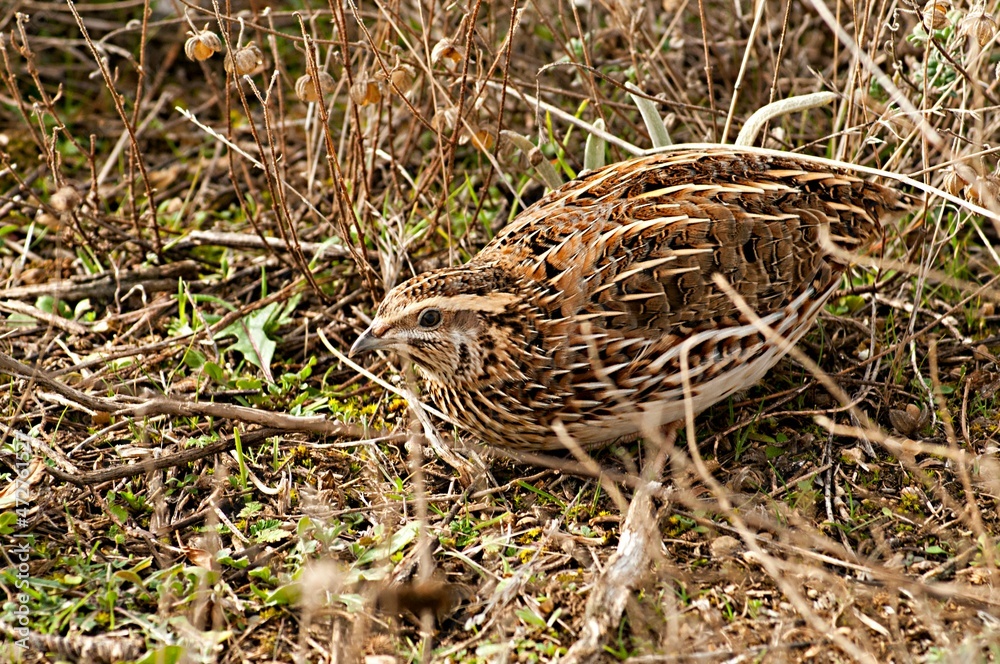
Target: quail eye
x,y
429,318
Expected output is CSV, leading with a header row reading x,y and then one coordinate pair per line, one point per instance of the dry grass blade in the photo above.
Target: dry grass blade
x,y
628,569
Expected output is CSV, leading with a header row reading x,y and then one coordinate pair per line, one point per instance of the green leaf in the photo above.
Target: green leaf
x,y
194,358
263,574
270,536
215,372
399,539
595,149
164,655
81,308
251,336
131,577
650,117
540,492
21,320
120,512
353,602
224,558
531,618
286,595
7,519
252,508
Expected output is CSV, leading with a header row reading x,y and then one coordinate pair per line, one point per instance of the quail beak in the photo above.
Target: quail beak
x,y
368,340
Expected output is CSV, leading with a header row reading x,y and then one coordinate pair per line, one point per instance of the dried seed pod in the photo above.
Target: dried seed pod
x,y
482,140
980,26
64,199
922,416
902,422
203,45
985,192
444,119
447,50
305,89
249,60
953,183
365,91
535,157
402,78
935,14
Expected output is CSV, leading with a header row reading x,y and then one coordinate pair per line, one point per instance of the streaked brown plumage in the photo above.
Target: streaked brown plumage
x,y
579,310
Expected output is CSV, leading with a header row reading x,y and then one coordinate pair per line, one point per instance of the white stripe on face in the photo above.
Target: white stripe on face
x,y
492,304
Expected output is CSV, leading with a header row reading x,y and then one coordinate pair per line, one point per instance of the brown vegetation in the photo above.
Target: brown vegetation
x,y
200,206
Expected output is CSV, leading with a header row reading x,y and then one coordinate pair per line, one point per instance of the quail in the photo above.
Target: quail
x,y
581,310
